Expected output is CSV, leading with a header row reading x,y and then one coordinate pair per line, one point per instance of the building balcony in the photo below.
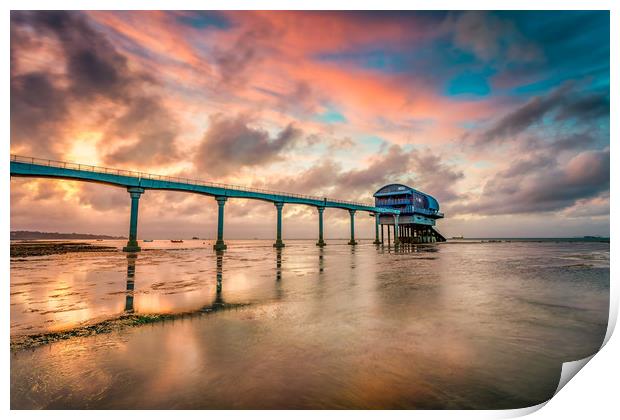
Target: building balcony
x,y
406,207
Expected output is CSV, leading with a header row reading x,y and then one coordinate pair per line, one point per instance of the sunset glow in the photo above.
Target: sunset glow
x,y
503,116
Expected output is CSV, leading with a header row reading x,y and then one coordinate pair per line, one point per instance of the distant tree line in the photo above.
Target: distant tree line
x,y
27,234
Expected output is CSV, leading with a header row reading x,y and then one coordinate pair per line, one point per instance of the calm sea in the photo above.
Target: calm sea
x,y
457,325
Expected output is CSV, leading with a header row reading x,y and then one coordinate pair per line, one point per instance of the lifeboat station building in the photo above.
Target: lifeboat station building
x,y
418,215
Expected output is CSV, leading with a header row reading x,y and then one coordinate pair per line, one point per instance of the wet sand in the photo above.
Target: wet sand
x,y
480,325
22,249
30,341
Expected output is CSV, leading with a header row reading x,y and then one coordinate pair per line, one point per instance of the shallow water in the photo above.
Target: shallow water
x,y
455,325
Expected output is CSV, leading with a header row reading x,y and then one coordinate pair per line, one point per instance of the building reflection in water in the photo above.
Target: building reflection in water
x,y
131,274
407,248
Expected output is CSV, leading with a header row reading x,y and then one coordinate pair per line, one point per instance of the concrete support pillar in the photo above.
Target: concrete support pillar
x,y
382,234
132,243
389,239
377,216
321,242
219,244
279,243
352,241
396,227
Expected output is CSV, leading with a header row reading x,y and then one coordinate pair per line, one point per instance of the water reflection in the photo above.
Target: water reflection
x,y
423,330
218,300
131,274
408,248
279,291
131,281
219,269
219,263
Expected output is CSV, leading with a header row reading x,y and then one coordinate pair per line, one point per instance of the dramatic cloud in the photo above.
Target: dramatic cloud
x,y
237,60
432,174
103,198
93,65
565,103
526,187
395,163
503,115
231,144
318,180
573,141
94,71
38,109
420,169
149,121
493,38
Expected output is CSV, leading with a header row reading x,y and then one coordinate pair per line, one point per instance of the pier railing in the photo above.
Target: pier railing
x,y
409,208
144,175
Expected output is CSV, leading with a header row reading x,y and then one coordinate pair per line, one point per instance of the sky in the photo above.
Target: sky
x,y
502,116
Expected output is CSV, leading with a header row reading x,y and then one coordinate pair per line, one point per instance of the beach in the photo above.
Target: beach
x,y
464,324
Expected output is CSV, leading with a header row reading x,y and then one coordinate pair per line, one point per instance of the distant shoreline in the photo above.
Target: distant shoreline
x,y
31,235
450,240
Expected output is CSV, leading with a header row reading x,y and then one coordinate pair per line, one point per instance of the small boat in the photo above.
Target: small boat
x,y
176,240
147,240
458,237
195,237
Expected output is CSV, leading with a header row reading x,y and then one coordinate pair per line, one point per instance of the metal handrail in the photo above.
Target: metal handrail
x,y
409,208
392,201
123,172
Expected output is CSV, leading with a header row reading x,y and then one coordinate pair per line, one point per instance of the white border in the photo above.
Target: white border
x,y
593,394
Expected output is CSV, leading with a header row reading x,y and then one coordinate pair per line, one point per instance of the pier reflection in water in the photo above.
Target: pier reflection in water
x,y
219,266
278,264
131,274
419,326
218,300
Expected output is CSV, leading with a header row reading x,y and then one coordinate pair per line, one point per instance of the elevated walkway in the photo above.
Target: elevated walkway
x,y
46,168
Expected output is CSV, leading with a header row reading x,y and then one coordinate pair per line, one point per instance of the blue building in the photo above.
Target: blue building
x,y
418,214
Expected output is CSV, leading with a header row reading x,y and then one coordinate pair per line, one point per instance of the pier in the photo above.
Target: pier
x,y
138,183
